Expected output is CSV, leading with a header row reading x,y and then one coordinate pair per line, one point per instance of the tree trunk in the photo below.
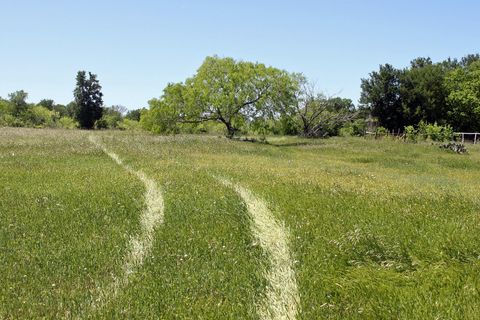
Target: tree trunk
x,y
306,127
230,129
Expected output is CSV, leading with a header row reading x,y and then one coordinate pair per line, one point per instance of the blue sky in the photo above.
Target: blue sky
x,y
137,47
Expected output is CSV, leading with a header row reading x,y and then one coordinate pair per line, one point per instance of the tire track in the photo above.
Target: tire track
x,y
139,245
282,298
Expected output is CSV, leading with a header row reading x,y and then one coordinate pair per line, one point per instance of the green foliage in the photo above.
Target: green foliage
x,y
67,123
111,118
88,99
38,116
286,125
423,93
45,114
8,120
129,124
223,90
317,115
435,132
160,118
357,127
411,134
101,123
18,100
47,103
6,107
445,92
382,131
381,93
134,114
71,109
464,97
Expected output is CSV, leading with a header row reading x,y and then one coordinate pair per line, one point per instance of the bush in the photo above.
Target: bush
x,y
5,107
38,116
112,120
411,134
67,123
128,124
435,132
9,120
355,128
101,124
381,131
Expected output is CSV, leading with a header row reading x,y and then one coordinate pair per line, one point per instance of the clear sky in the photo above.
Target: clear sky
x,y
137,47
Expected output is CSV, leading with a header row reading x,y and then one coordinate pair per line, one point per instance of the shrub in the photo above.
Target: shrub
x,y
435,132
9,120
381,131
411,134
355,128
129,124
101,124
38,116
5,107
112,120
67,123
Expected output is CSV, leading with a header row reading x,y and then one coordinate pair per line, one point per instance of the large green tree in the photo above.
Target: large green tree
x,y
88,100
230,92
381,93
464,97
423,93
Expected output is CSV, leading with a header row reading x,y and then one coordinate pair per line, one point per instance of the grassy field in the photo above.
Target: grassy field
x,y
376,229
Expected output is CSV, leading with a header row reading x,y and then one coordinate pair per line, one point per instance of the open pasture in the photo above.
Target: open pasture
x,y
355,228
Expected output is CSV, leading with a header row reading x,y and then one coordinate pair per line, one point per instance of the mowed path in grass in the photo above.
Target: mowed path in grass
x,y
282,297
204,262
139,245
281,294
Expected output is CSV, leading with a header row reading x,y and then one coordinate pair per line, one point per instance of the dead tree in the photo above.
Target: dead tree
x,y
316,114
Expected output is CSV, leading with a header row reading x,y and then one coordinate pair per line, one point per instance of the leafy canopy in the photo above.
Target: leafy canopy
x,y
227,91
464,97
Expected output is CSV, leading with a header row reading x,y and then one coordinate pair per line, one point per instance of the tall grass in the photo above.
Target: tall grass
x,y
379,229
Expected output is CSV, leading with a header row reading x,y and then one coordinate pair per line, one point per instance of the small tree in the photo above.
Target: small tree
x,y
18,99
88,99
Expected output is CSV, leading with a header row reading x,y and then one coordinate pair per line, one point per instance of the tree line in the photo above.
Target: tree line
x,y
246,97
86,111
240,97
446,93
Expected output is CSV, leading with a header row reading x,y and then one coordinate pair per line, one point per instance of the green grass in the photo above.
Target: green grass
x,y
379,229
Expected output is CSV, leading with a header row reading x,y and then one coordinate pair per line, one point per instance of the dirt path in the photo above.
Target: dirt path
x,y
282,297
139,245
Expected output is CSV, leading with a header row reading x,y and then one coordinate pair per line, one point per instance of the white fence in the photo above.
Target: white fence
x,y
475,135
